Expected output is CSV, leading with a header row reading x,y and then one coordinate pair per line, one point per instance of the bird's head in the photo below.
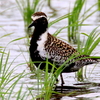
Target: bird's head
x,y
39,19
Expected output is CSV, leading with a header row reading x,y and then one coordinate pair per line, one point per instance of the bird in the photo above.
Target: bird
x,y
44,45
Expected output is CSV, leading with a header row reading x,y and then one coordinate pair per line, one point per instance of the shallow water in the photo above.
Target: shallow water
x,y
12,22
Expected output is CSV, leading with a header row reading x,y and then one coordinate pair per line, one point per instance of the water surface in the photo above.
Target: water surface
x,y
12,22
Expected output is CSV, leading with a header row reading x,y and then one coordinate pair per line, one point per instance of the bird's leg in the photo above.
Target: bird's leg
x,y
56,82
62,81
56,79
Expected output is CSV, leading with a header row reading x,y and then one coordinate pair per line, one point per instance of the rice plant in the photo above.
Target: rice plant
x,y
59,19
7,77
92,41
76,19
47,86
98,5
5,35
47,83
27,8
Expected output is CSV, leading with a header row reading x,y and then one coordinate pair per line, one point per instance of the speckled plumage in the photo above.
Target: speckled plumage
x,y
60,52
43,45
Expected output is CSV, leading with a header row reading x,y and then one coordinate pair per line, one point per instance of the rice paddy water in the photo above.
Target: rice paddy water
x,y
17,82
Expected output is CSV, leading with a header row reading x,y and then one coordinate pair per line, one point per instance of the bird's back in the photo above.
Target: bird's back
x,y
59,52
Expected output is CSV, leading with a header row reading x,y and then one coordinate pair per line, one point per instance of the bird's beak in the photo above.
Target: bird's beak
x,y
32,24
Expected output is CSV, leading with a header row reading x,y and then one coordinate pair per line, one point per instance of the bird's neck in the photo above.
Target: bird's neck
x,y
38,32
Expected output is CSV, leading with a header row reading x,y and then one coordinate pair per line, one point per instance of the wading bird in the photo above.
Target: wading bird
x,y
43,45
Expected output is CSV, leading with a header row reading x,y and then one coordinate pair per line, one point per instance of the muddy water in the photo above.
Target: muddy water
x,y
12,22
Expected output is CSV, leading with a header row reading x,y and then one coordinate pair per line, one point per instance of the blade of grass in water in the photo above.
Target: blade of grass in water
x,y
58,19
74,18
8,80
27,8
98,4
92,41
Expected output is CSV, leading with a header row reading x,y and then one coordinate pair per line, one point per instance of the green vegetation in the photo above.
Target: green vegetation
x,y
27,8
77,18
98,5
8,80
93,39
73,35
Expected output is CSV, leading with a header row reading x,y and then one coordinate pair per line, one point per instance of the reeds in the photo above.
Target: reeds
x,y
27,8
8,80
76,19
98,2
50,78
88,46
73,34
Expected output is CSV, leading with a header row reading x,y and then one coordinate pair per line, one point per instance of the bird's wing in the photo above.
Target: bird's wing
x,y
58,50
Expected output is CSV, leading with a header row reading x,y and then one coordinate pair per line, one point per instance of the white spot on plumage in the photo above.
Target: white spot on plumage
x,y
37,17
41,46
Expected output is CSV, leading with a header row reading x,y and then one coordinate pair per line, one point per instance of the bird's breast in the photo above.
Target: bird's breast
x,y
41,46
